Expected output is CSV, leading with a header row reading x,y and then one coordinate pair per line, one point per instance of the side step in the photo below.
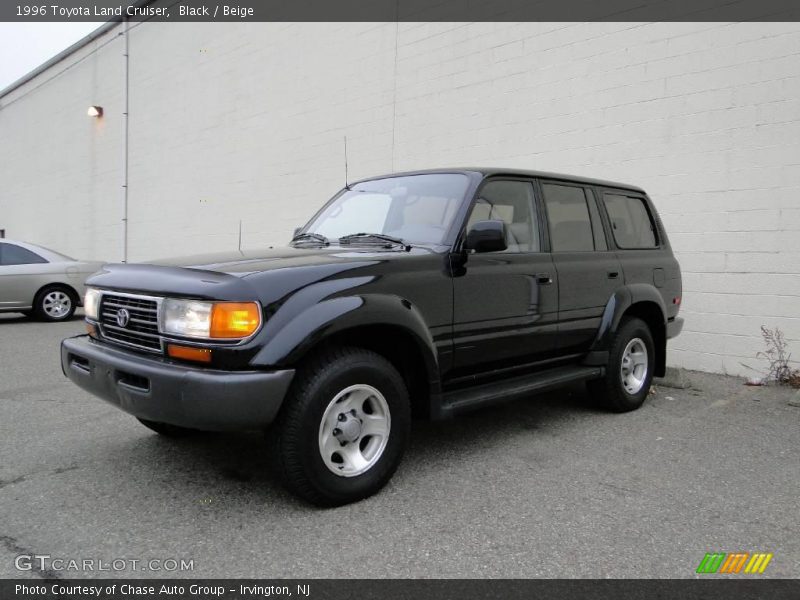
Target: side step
x,y
465,399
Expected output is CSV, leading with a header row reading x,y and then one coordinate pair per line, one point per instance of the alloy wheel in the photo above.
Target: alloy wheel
x,y
354,430
634,366
56,304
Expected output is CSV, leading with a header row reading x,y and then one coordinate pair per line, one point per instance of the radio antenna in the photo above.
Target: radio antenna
x,y
346,184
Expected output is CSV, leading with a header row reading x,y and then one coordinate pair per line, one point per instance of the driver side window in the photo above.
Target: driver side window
x,y
511,202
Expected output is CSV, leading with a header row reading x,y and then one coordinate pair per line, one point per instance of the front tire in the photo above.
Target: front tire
x,y
55,303
629,372
343,428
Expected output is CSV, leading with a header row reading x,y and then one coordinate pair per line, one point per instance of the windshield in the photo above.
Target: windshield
x,y
415,208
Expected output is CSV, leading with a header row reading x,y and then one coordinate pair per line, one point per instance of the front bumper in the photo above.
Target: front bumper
x,y
156,390
674,327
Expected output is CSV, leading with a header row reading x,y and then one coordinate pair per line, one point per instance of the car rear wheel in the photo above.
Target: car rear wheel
x,y
54,303
630,368
343,428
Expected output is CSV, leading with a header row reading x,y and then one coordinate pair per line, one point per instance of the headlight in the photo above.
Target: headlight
x,y
91,303
198,319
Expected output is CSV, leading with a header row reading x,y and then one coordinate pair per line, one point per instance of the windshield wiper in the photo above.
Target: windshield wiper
x,y
311,237
384,240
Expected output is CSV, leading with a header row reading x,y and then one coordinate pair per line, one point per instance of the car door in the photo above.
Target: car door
x,y
505,302
588,271
21,272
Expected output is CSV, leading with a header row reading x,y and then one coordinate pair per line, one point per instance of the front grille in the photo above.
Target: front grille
x,y
141,330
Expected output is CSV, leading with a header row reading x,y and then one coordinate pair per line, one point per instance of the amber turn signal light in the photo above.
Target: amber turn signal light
x,y
234,319
189,353
91,330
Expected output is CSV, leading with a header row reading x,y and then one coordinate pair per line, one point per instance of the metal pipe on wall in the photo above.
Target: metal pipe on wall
x,y
125,141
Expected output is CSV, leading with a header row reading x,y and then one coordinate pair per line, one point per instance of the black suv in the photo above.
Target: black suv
x,y
425,293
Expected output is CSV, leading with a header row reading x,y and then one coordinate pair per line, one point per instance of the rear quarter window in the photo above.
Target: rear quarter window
x,y
11,254
631,222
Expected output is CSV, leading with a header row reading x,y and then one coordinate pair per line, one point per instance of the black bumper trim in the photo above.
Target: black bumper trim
x,y
181,395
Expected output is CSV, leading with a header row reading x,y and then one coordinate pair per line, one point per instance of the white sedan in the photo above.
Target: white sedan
x,y
41,283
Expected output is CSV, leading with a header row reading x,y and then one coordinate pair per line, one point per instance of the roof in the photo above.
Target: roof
x,y
493,171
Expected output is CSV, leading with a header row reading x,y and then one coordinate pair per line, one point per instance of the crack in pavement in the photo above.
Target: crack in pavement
x,y
5,482
21,478
13,546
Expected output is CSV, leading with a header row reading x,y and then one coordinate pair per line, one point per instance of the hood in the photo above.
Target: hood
x,y
260,274
244,262
247,262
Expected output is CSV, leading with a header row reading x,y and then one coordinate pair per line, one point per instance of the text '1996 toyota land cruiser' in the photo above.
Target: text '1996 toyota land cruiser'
x,y
425,293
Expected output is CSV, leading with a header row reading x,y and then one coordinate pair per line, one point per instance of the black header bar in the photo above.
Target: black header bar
x,y
399,10
712,588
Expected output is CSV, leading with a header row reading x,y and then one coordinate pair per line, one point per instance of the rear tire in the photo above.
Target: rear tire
x,y
168,430
629,371
55,303
343,428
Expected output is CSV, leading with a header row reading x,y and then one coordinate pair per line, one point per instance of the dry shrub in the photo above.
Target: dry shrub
x,y
777,356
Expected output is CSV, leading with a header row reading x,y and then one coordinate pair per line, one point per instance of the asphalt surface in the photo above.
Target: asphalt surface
x,y
546,487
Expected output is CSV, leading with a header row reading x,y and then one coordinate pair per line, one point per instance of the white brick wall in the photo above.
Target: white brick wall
x,y
246,121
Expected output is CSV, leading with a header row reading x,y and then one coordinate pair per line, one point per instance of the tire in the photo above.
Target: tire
x,y
623,389
167,430
321,451
55,303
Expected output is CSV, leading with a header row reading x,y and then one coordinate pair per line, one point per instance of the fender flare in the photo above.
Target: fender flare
x,y
312,326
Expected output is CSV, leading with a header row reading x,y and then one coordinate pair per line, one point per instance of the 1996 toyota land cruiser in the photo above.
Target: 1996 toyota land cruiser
x,y
425,293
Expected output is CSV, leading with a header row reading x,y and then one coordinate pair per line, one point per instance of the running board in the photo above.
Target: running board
x,y
458,401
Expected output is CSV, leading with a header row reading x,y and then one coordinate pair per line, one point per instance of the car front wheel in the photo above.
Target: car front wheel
x,y
54,303
343,428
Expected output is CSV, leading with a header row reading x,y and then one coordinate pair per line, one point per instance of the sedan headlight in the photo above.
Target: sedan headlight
x,y
91,303
218,320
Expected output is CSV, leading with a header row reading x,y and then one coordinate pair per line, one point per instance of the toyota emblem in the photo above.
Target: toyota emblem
x,y
123,317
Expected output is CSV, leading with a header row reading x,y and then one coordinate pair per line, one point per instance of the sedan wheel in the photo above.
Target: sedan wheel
x,y
54,304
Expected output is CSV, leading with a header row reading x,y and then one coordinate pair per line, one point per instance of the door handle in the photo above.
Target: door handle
x,y
544,278
613,274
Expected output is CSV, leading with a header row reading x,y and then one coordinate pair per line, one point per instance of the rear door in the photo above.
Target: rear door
x,y
505,302
588,270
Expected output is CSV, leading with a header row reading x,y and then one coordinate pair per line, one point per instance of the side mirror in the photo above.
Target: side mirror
x,y
296,231
487,236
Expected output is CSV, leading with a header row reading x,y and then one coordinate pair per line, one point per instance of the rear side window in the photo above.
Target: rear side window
x,y
16,255
569,219
631,222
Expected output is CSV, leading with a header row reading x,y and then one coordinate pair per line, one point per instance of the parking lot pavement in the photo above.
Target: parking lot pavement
x,y
546,487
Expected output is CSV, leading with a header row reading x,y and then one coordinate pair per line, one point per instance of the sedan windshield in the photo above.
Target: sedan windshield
x,y
415,209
